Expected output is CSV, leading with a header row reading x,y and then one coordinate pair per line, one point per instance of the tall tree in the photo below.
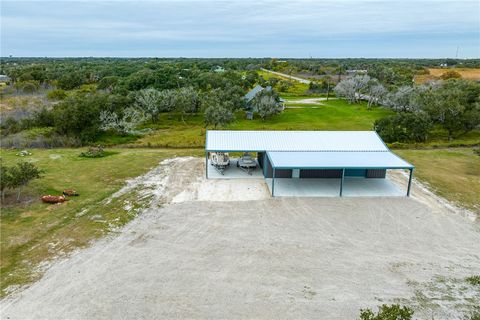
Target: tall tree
x,y
352,89
455,105
187,101
217,110
266,104
401,100
149,100
124,122
375,92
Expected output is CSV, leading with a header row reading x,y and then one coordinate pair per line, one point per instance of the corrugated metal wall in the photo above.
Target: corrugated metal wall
x,y
283,173
320,173
376,173
279,173
260,157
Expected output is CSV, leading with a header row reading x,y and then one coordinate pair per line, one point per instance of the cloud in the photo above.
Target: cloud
x,y
231,27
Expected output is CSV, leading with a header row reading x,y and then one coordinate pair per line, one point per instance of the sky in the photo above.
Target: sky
x,y
292,29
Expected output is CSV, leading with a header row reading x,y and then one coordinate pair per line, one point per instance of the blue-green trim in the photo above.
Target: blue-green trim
x,y
341,182
337,168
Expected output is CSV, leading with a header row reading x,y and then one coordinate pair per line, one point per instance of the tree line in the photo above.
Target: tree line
x,y
452,104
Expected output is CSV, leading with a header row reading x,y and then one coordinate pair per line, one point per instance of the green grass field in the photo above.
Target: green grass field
x,y
452,173
32,232
333,115
297,88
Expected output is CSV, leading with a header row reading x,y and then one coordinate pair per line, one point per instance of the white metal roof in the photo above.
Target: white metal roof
x,y
229,140
337,160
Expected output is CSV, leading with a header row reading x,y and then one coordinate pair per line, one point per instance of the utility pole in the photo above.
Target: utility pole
x,y
328,88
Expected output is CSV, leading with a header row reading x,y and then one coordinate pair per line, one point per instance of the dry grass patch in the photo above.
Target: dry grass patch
x,y
435,73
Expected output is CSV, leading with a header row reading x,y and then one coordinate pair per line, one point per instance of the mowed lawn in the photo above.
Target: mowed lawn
x,y
331,115
32,232
451,173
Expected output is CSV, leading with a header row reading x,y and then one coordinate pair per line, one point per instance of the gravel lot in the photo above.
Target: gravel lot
x,y
322,258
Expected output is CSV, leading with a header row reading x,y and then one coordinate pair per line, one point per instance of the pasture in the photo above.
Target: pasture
x,y
435,73
331,115
451,173
34,232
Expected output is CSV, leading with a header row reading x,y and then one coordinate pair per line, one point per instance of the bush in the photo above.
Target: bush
x,y
404,127
17,177
69,81
10,126
475,315
79,115
57,94
387,312
474,280
451,74
476,151
39,138
93,152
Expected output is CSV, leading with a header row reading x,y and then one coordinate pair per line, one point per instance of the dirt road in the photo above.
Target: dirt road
x,y
301,80
308,258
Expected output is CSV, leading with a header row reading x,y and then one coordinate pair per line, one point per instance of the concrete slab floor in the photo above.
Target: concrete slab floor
x,y
352,187
233,172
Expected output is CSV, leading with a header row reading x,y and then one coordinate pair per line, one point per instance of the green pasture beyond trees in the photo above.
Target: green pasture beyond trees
x,y
332,115
335,114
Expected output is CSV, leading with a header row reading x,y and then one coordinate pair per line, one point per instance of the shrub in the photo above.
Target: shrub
x,y
11,125
42,118
18,177
39,138
475,315
451,74
387,312
79,115
474,280
476,151
69,81
57,94
93,152
404,127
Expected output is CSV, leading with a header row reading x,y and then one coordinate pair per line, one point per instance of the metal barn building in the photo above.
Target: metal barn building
x,y
320,162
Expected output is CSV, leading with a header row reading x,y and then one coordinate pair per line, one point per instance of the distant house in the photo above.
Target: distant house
x,y
251,95
4,78
219,69
354,72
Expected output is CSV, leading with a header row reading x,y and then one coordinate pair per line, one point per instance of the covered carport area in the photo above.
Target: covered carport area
x,y
334,173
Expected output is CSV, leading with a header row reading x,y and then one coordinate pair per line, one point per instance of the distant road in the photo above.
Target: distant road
x,y
301,80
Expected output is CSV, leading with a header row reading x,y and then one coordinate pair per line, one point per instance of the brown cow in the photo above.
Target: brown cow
x,y
70,193
53,199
